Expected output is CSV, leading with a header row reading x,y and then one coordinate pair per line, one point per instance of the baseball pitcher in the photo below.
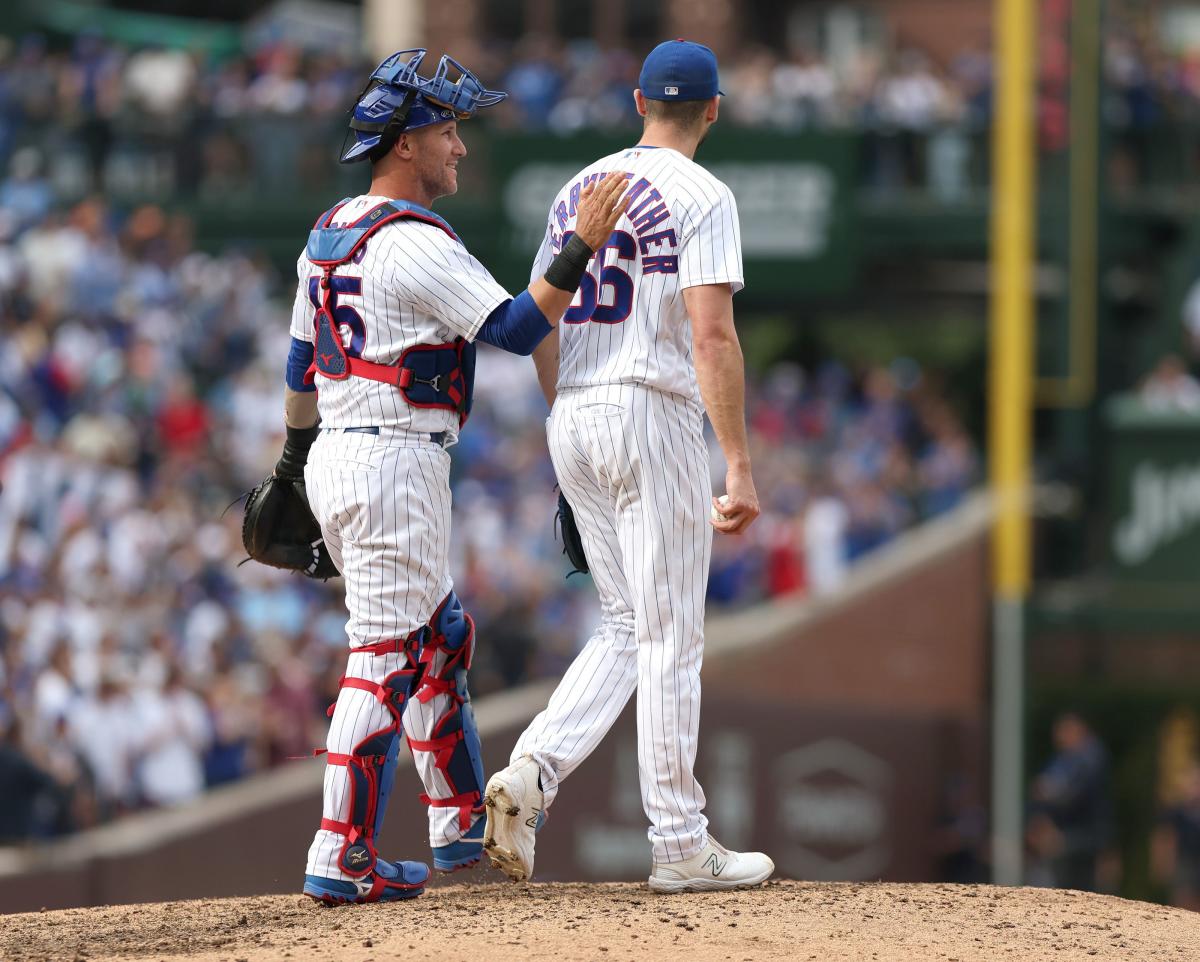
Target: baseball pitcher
x,y
646,347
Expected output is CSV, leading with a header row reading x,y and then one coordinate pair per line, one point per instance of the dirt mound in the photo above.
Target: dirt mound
x,y
498,922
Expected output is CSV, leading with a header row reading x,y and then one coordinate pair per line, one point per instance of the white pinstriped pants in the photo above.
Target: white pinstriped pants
x,y
633,464
383,503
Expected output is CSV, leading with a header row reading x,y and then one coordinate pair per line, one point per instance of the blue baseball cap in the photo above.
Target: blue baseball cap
x,y
680,70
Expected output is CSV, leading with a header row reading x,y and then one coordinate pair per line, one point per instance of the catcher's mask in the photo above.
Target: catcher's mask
x,y
397,98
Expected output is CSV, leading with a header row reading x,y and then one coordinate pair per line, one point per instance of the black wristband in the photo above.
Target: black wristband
x,y
569,265
295,452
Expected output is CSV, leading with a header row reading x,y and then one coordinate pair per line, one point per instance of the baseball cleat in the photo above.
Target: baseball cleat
x,y
388,882
464,853
515,811
713,868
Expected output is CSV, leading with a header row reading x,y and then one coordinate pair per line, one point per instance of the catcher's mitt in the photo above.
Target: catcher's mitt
x,y
569,531
278,529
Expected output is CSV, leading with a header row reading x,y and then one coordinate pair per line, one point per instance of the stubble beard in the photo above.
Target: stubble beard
x,y
438,182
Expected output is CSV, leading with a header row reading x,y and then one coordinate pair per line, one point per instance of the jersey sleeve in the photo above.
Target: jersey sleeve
x,y
302,308
711,253
448,283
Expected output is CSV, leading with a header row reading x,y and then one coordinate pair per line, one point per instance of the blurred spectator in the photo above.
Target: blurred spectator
x,y
961,838
237,718
174,733
160,82
948,464
807,88
105,728
25,196
1169,387
280,87
1070,821
290,709
33,805
1175,848
913,96
824,536
535,81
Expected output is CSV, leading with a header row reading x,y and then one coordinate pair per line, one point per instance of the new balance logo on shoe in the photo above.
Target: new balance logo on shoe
x,y
532,821
715,864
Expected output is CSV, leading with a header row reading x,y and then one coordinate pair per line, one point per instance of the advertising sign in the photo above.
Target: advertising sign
x,y
793,195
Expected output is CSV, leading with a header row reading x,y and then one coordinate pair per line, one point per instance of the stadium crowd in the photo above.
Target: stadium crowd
x,y
140,395
108,116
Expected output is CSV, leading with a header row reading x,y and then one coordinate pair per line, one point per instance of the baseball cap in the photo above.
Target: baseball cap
x,y
679,70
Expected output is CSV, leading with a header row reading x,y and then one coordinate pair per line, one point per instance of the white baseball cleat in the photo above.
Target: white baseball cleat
x,y
515,811
714,867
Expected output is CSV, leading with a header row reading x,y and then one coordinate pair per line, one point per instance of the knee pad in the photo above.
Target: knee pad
x,y
454,740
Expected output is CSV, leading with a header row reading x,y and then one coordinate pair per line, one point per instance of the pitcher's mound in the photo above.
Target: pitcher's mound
x,y
551,922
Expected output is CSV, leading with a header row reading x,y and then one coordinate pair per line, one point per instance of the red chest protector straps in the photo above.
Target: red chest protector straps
x,y
427,375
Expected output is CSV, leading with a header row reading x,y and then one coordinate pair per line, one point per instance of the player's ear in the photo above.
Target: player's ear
x,y
640,102
403,147
714,108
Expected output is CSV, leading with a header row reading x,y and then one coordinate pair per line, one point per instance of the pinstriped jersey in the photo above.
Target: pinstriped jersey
x,y
628,322
411,283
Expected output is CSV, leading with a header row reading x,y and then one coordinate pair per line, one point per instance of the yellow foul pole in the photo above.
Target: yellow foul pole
x,y
1010,412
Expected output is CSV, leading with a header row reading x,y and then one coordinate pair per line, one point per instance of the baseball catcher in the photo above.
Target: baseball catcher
x,y
389,304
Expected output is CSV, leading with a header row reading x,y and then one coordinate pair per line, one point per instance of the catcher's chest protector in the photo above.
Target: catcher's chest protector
x,y
427,375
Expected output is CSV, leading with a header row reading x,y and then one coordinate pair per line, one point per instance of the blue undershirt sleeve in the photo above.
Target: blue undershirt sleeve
x,y
299,359
516,326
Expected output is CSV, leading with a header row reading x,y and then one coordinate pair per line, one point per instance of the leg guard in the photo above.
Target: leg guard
x,y
452,739
371,766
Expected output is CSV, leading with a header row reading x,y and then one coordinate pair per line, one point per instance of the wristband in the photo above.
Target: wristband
x,y
569,265
295,452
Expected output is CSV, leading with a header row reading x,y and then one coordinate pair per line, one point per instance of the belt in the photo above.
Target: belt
x,y
437,437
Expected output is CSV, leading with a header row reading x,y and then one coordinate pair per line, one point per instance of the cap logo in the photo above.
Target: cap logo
x,y
671,91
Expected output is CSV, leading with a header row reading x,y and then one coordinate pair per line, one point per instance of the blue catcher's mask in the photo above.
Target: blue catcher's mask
x,y
397,98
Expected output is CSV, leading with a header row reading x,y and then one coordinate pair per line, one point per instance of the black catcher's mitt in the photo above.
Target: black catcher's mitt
x,y
279,529
569,531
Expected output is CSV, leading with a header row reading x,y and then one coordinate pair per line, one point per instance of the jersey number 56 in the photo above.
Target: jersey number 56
x,y
593,294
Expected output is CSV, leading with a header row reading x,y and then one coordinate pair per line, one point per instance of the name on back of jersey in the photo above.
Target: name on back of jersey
x,y
646,211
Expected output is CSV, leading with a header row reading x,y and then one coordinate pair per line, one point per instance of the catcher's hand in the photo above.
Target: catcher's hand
x,y
278,529
569,531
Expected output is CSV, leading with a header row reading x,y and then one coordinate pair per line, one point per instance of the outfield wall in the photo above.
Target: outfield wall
x,y
832,731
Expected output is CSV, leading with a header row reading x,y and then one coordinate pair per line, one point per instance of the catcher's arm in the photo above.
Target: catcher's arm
x,y
278,527
300,416
545,359
299,408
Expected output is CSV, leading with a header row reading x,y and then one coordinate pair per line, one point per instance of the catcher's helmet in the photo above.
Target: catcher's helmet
x,y
397,98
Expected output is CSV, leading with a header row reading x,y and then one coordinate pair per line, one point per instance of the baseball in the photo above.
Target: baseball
x,y
716,515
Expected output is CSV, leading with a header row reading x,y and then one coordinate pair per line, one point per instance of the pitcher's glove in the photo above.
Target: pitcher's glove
x,y
569,531
278,528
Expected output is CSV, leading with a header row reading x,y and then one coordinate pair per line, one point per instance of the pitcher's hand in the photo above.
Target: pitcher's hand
x,y
741,505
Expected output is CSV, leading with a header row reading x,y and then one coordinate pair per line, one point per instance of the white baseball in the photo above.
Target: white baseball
x,y
716,515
